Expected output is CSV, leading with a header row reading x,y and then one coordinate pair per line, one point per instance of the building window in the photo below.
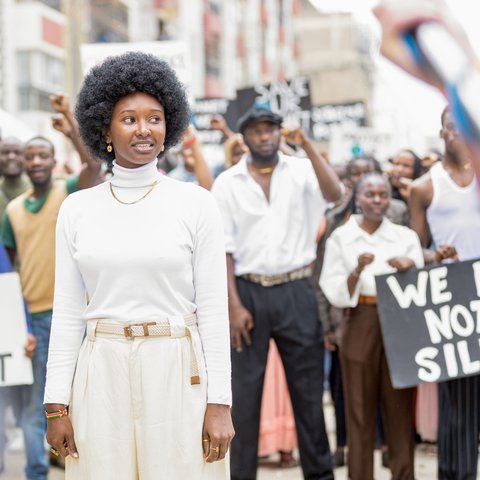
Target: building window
x,y
39,75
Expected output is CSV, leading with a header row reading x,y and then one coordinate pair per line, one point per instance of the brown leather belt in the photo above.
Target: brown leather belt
x,y
272,280
366,300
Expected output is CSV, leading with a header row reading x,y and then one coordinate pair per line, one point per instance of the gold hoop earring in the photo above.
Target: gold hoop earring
x,y
109,148
163,148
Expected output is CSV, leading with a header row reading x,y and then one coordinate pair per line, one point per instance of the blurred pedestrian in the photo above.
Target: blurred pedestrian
x,y
13,181
445,212
368,245
28,234
14,396
406,167
147,252
272,206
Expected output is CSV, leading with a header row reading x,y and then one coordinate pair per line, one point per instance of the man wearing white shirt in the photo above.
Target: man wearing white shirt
x,y
272,206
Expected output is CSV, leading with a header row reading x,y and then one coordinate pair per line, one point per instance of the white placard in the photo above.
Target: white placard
x,y
15,367
369,140
174,52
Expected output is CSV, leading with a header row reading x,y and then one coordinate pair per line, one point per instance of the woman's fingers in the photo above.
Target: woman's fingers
x,y
71,447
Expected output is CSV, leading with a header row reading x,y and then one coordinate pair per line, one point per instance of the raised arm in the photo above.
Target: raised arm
x,y
191,146
66,123
327,178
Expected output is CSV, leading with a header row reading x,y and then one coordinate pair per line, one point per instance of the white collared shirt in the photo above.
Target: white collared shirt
x,y
348,242
276,236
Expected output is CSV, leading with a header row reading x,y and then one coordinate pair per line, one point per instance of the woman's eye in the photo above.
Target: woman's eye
x,y
155,119
128,120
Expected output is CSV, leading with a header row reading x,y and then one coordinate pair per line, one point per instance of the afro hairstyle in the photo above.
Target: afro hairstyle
x,y
123,75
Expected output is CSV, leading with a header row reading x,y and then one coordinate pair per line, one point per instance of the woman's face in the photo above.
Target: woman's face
x,y
374,198
358,168
137,129
403,166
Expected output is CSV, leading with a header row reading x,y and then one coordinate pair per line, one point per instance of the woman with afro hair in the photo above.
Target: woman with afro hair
x,y
140,267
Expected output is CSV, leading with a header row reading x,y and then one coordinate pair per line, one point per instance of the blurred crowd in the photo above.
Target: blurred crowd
x,y
376,216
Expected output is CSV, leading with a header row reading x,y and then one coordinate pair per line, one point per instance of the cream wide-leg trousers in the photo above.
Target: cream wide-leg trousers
x,y
135,414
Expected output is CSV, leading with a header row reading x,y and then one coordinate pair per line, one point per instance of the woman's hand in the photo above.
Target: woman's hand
x,y
443,252
402,264
60,433
363,260
217,432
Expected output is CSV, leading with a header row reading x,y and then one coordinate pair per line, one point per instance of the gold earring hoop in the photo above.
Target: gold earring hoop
x,y
163,148
109,148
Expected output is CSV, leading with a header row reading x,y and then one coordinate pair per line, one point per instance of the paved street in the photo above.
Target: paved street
x,y
425,466
425,470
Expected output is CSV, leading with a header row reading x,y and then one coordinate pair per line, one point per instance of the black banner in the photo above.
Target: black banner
x,y
430,322
289,98
328,116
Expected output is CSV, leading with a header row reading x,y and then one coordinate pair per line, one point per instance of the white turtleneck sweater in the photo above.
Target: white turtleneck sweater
x,y
161,257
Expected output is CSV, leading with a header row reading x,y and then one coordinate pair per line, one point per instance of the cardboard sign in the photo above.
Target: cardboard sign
x,y
15,367
430,323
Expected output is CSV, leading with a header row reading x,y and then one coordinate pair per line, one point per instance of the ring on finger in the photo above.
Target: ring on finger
x,y
54,451
206,440
215,449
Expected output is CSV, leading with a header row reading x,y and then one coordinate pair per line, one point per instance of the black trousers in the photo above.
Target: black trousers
x,y
336,390
458,428
287,313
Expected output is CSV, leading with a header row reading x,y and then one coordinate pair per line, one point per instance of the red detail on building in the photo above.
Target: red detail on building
x,y
213,87
265,65
296,48
281,34
240,46
296,7
166,3
52,32
212,24
263,14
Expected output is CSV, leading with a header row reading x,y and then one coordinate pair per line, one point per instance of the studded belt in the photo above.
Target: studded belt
x,y
272,280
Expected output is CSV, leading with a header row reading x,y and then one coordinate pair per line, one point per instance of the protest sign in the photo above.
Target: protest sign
x,y
203,110
15,367
289,98
329,116
430,322
347,142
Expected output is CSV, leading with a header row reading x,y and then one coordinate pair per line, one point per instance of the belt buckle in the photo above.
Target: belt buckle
x,y
128,332
265,281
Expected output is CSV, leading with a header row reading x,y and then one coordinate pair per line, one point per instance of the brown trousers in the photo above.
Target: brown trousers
x,y
365,376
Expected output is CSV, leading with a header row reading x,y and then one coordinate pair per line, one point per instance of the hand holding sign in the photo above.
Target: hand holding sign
x,y
444,252
402,264
30,346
